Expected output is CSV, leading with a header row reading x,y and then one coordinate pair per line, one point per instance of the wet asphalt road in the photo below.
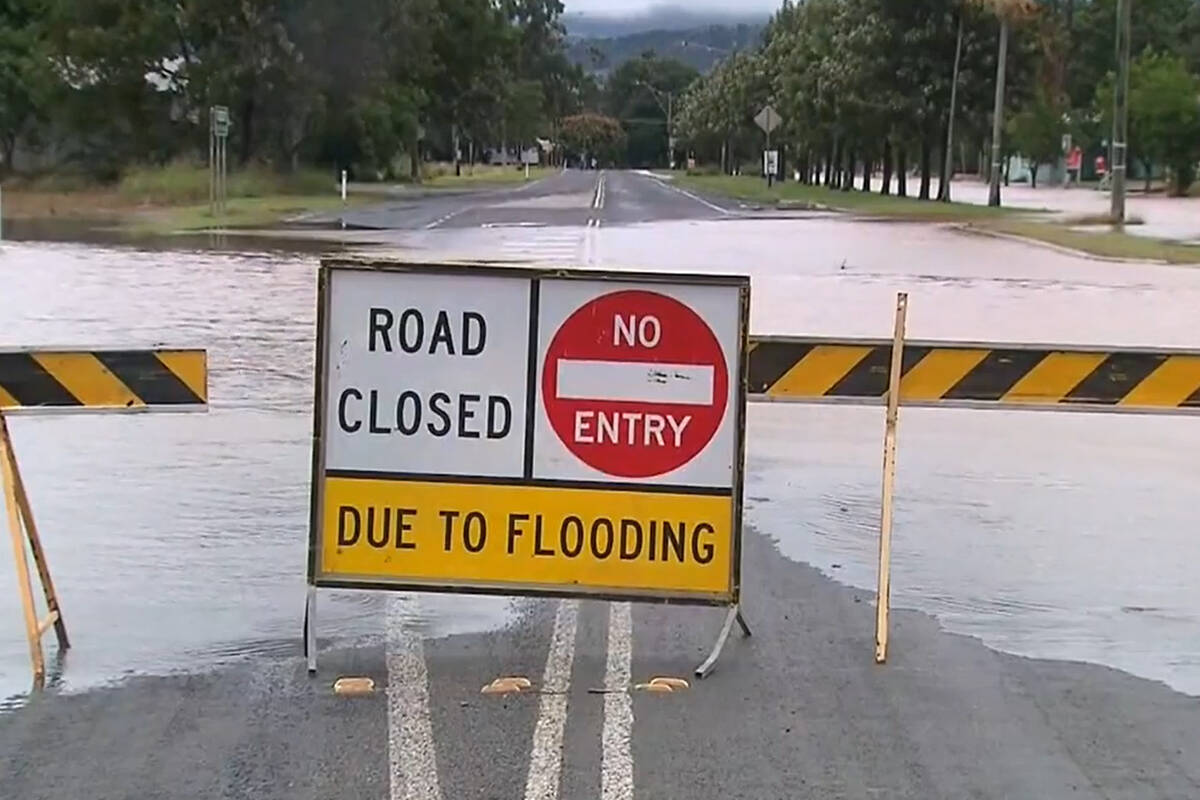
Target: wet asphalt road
x,y
798,710
570,198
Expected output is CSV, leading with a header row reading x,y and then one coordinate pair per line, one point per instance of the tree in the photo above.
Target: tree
x,y
25,77
1036,132
1164,116
640,93
590,136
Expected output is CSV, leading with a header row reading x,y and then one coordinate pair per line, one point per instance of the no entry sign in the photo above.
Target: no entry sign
x,y
529,432
635,383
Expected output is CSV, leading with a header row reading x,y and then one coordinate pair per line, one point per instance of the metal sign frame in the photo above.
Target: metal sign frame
x,y
736,491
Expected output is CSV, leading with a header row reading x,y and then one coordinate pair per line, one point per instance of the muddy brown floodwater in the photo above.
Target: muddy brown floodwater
x,y
178,540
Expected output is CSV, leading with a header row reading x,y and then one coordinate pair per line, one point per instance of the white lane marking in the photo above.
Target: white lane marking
x,y
411,753
448,217
601,191
545,760
671,187
630,381
616,763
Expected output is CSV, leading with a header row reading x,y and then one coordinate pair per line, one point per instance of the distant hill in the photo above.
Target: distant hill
x,y
658,18
701,46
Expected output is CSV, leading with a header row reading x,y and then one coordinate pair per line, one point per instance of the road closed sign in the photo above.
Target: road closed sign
x,y
527,432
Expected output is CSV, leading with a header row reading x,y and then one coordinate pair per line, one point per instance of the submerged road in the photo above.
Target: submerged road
x,y
797,711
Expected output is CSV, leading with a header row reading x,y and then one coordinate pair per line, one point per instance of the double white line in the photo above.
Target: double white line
x,y
601,190
411,751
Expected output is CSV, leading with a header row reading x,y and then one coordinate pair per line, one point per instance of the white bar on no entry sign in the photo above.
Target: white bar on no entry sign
x,y
635,382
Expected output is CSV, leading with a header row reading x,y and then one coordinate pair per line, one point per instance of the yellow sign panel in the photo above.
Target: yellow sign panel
x,y
496,536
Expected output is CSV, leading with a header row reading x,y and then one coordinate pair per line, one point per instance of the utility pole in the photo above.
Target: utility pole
x,y
1121,112
948,170
669,108
998,112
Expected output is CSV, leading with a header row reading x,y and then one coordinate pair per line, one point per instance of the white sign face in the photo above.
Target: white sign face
x,y
426,373
771,162
637,383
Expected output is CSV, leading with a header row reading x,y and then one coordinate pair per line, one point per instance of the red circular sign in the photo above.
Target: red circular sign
x,y
635,384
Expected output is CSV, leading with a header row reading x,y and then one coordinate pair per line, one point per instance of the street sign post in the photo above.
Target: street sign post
x,y
218,138
768,119
524,432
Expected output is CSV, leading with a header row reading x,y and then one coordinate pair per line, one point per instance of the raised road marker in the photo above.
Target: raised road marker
x,y
813,370
528,432
46,380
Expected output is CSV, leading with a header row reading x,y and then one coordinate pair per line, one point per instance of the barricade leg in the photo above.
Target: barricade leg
x,y
16,529
39,560
734,613
883,602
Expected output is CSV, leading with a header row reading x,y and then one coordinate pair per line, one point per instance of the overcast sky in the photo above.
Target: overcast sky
x,y
610,7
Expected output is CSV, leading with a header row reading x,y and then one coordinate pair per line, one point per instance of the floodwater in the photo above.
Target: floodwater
x,y
178,541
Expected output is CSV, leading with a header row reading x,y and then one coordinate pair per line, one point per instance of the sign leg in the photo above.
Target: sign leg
x,y
310,629
734,613
741,621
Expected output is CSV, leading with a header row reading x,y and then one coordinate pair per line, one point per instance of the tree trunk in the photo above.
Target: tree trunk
x,y
902,171
944,167
415,158
835,165
848,174
10,148
1148,166
1033,168
926,165
247,127
886,188
866,181
457,148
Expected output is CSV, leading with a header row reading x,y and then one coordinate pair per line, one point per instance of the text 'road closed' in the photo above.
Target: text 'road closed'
x,y
526,535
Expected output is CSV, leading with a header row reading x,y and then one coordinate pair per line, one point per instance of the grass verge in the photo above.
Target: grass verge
x,y
1013,222
174,197
241,212
442,175
795,195
1106,244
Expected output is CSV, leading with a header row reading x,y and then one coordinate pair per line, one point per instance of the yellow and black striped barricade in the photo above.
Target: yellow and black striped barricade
x,y
109,380
817,370
63,380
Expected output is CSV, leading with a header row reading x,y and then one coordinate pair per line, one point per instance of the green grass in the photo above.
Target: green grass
x,y
241,212
1014,222
795,195
182,183
442,175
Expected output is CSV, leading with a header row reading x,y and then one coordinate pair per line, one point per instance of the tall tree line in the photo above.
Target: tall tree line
x,y
865,87
356,83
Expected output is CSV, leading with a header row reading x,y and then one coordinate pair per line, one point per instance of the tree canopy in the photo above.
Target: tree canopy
x,y
355,83
868,83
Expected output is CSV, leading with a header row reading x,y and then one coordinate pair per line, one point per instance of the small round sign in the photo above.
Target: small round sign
x,y
635,384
